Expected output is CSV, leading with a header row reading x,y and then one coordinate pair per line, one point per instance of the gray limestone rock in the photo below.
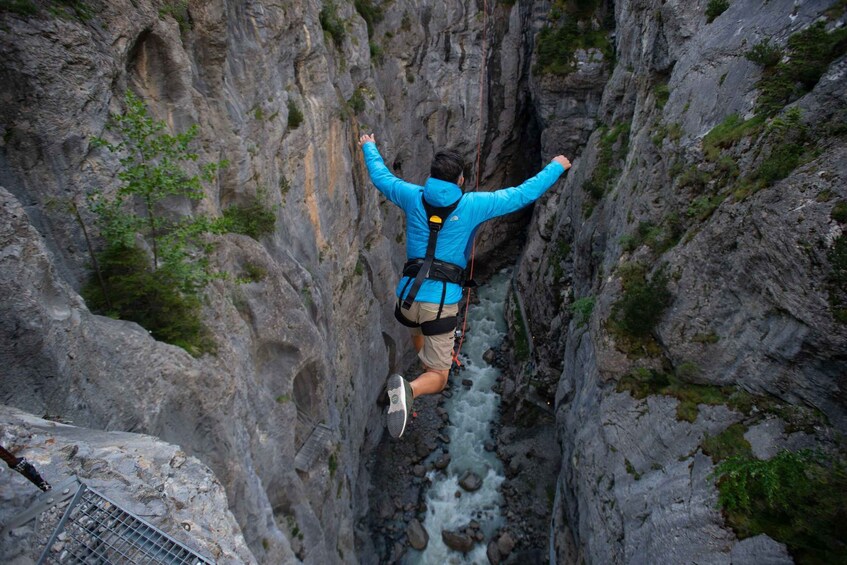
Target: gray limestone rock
x,y
152,479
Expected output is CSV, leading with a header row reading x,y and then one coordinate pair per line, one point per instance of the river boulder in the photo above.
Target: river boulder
x,y
418,537
459,541
470,481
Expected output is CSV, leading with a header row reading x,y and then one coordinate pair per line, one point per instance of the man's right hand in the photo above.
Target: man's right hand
x,y
563,161
366,138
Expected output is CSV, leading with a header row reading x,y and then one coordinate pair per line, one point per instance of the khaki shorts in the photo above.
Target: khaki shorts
x,y
437,352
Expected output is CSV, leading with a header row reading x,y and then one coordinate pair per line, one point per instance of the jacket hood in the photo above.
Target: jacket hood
x,y
441,193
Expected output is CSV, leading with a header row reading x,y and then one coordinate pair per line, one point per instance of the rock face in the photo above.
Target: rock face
x,y
747,277
147,477
312,341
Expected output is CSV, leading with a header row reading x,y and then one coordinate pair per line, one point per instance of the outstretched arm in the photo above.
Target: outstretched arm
x,y
395,189
507,200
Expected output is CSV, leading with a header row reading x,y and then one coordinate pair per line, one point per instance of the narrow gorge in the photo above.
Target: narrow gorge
x,y
677,311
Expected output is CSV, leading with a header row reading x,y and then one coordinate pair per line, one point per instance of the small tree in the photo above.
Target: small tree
x,y
154,265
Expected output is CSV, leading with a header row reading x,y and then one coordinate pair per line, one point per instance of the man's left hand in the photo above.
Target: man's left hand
x,y
366,138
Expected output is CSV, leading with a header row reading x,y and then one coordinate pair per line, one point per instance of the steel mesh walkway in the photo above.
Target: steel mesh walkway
x,y
95,530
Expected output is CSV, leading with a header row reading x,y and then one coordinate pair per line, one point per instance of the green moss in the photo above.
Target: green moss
x,y
333,464
797,498
728,443
644,382
659,238
729,132
702,207
295,116
715,8
710,337
630,468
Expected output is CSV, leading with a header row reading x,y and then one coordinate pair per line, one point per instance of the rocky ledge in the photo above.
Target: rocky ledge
x,y
152,479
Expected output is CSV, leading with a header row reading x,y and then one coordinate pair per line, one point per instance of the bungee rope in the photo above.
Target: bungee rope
x,y
478,166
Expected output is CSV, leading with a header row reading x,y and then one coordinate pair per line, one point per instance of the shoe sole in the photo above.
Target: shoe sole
x,y
397,415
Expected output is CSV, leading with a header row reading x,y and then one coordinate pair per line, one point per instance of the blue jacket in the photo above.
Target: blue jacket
x,y
456,236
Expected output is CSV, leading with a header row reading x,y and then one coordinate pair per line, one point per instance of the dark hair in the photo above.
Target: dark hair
x,y
447,165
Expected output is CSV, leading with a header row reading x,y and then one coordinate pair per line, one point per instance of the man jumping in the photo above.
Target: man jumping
x,y
440,226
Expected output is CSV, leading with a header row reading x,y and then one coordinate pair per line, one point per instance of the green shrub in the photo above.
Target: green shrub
x,y
371,13
157,286
519,333
702,207
764,54
333,24
253,219
612,147
715,8
642,304
20,7
178,10
839,212
797,498
662,93
787,137
558,43
837,279
254,273
581,310
377,53
810,53
295,116
357,102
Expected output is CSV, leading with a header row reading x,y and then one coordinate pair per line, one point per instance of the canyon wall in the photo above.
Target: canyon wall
x,y
740,270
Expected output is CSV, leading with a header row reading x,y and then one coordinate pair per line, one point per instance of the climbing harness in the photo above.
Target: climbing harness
x,y
419,270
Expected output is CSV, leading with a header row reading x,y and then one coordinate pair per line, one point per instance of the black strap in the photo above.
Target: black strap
x,y
435,218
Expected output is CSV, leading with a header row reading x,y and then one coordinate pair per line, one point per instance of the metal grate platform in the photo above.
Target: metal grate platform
x,y
95,530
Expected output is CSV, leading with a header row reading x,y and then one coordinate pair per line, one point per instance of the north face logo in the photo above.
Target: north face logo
x,y
454,218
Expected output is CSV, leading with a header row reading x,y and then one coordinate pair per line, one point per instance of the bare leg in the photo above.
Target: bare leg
x,y
432,381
